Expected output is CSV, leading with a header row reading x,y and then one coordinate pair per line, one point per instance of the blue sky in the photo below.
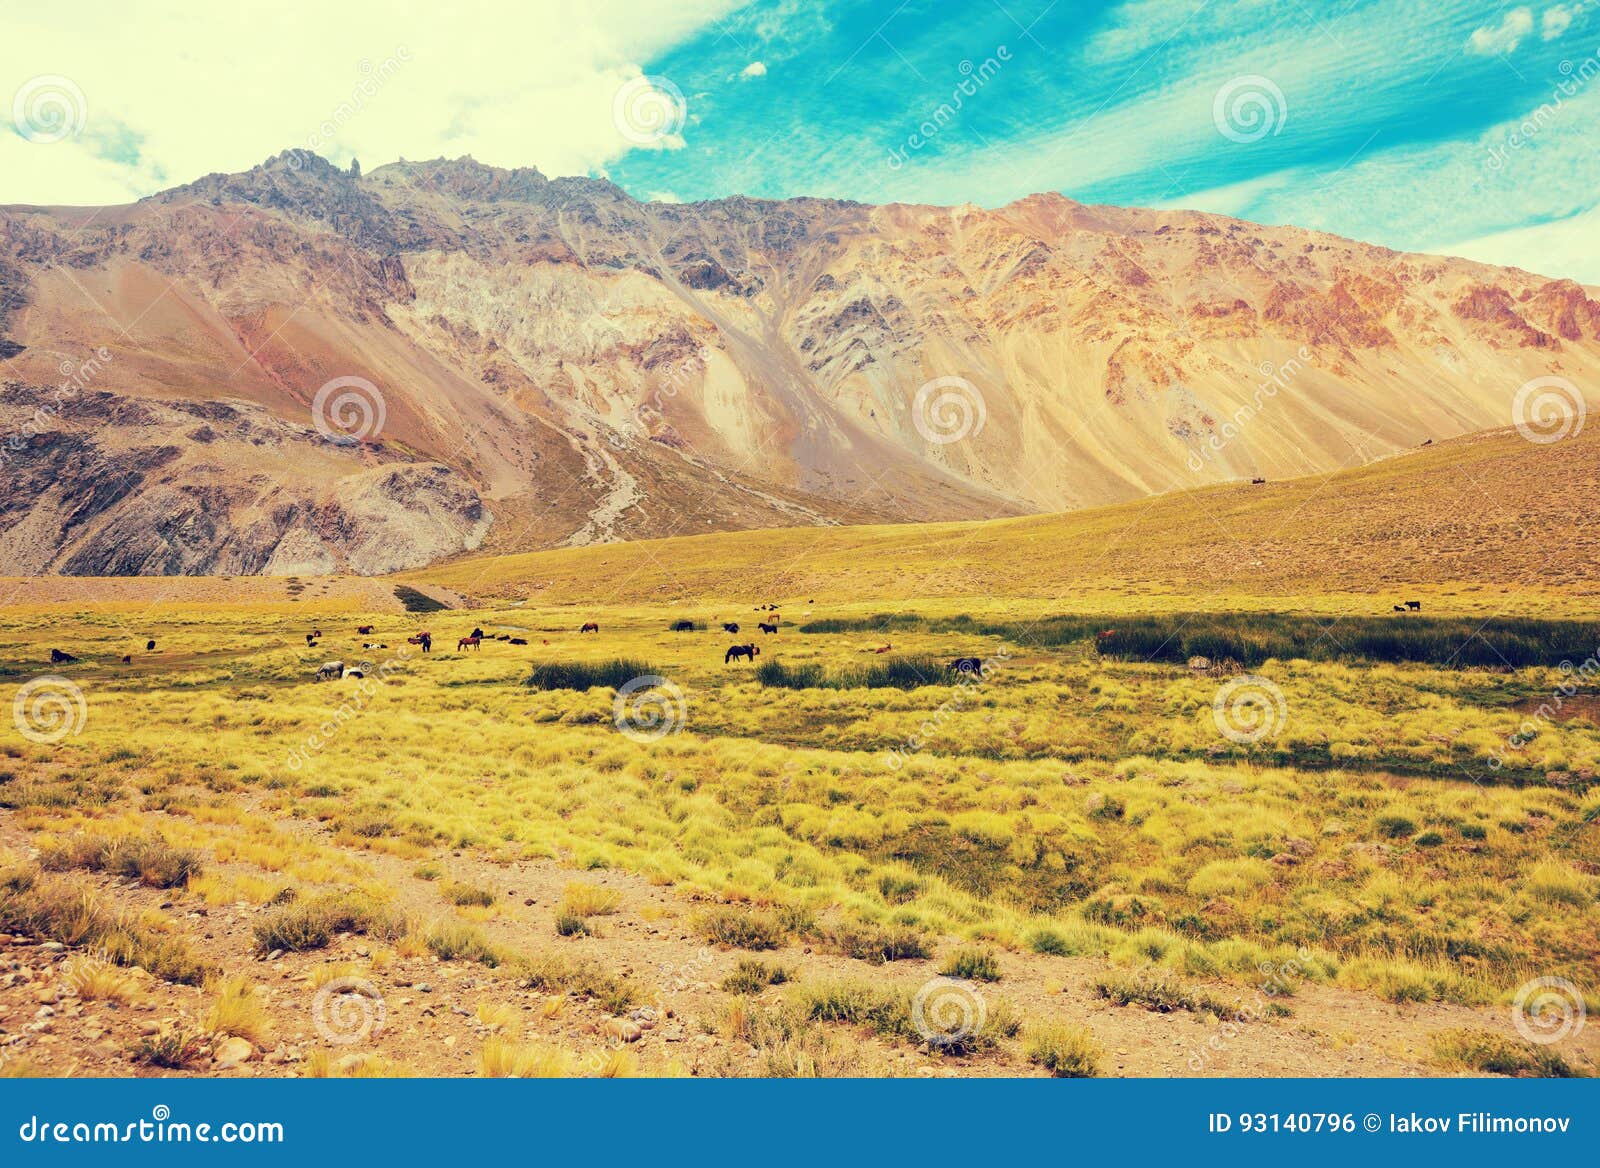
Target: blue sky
x,y
1390,112
1435,125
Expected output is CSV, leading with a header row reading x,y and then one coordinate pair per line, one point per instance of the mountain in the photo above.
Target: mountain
x,y
1483,523
300,370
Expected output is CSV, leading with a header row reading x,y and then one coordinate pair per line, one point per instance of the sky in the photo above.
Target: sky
x,y
1427,125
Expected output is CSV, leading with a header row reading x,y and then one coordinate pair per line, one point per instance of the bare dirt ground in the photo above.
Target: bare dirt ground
x,y
430,1008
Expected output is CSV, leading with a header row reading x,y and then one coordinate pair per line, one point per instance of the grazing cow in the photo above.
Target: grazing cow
x,y
1414,605
972,666
149,646
364,630
1429,442
469,642
329,670
1399,608
766,628
57,657
730,627
316,632
683,626
127,658
1257,482
518,641
355,671
749,652
423,639
589,627
311,639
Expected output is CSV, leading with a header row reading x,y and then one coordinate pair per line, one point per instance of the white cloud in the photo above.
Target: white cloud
x,y
1555,21
754,69
513,86
1496,40
1566,247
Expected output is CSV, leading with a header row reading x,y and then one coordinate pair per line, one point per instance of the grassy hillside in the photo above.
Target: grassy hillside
x,y
1459,523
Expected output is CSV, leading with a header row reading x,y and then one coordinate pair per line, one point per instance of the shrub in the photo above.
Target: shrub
x,y
739,928
877,945
891,1012
311,924
1396,826
751,977
1494,1055
571,924
892,673
589,900
585,675
1163,994
972,965
173,1048
450,940
1066,1051
1474,831
236,1009
462,895
150,859
61,909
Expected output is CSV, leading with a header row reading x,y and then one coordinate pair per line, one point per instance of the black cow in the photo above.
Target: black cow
x,y
765,627
518,641
683,626
1399,608
127,658
750,652
149,646
1414,605
730,627
57,657
971,666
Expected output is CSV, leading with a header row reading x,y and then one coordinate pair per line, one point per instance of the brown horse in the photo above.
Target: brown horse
x,y
468,642
423,639
590,627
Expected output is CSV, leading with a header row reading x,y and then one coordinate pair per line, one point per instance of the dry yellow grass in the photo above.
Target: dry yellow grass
x,y
236,1009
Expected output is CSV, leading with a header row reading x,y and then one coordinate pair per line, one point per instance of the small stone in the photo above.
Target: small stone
x,y
53,947
275,954
48,995
232,1052
622,1029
